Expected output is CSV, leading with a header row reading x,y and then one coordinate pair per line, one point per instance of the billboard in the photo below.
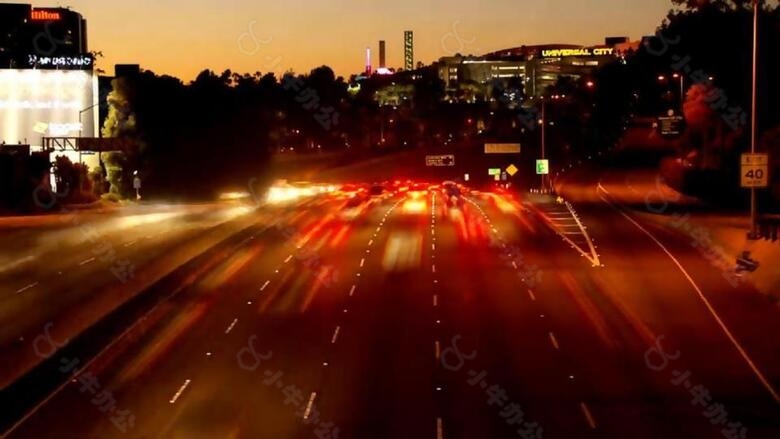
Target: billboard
x,y
51,103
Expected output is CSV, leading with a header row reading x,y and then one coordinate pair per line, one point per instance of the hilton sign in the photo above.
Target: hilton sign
x,y
42,15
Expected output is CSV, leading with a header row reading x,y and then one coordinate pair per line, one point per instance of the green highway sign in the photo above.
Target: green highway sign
x,y
542,167
494,171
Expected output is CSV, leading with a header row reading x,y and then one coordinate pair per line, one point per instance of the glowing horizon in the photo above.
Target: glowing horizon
x,y
184,38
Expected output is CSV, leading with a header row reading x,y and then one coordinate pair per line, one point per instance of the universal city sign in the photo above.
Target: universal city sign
x,y
43,15
584,51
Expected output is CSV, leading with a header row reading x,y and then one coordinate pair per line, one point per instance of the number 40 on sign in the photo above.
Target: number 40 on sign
x,y
755,170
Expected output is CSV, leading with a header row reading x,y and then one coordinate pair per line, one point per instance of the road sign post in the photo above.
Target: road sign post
x,y
754,175
755,171
542,167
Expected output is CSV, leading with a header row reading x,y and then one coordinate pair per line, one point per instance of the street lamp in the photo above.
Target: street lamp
x,y
544,123
81,129
663,78
82,112
682,88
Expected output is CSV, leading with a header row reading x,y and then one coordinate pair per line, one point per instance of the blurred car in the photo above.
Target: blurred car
x,y
453,194
353,208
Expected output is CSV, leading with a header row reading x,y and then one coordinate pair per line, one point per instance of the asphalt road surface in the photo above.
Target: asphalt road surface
x,y
417,320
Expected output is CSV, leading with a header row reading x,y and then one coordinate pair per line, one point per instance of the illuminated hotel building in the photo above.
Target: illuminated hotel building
x,y
44,32
48,87
536,67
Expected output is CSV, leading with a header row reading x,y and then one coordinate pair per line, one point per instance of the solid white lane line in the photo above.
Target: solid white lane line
x,y
531,293
335,335
435,300
232,325
554,341
706,302
309,405
437,348
352,290
86,261
265,285
439,429
588,416
288,259
362,262
22,290
180,391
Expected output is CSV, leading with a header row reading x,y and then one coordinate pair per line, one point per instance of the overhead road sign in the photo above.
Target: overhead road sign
x,y
502,148
440,160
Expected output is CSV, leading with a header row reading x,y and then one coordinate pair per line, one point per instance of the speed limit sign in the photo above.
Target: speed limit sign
x,y
755,170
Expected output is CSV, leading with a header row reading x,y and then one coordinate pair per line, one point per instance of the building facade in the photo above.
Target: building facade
x,y
48,86
536,67
34,37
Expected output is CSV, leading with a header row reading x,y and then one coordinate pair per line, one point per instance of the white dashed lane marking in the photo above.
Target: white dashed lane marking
x,y
554,341
22,290
86,261
180,391
232,325
309,405
335,335
265,285
352,290
588,415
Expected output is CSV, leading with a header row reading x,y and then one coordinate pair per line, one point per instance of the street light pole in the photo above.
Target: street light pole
x,y
754,122
544,123
80,127
682,92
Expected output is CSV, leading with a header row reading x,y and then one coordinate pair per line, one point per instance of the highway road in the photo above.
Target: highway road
x,y
506,317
